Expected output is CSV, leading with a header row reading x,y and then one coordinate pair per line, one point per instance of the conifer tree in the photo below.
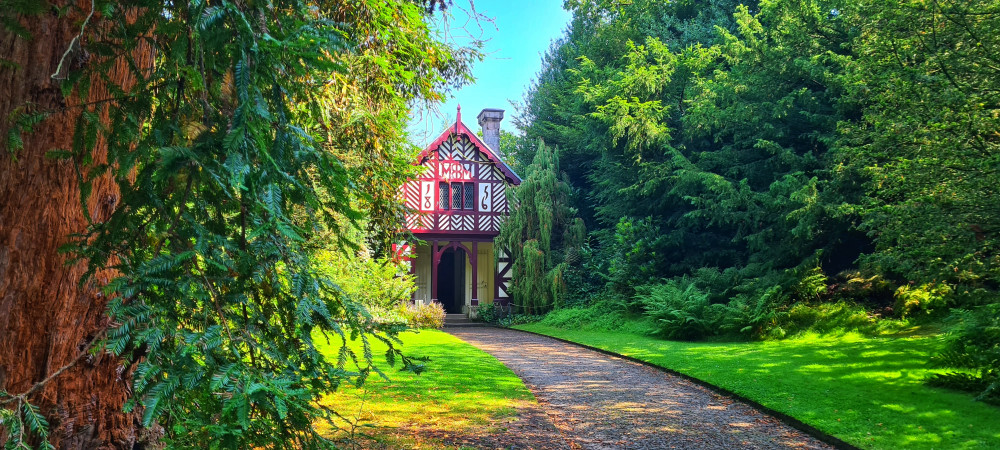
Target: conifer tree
x,y
193,157
543,233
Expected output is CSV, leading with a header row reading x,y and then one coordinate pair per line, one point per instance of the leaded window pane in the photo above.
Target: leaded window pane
x,y
456,195
443,195
470,192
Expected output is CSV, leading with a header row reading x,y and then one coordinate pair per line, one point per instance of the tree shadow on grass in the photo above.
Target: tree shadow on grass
x,y
459,396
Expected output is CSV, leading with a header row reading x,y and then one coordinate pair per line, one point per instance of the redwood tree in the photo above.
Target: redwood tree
x,y
186,155
48,320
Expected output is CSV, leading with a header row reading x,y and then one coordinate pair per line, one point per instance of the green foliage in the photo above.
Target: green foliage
x,y
24,425
680,310
543,235
498,315
927,137
812,285
246,157
374,283
602,315
21,121
926,298
516,150
490,312
425,315
837,319
518,319
973,347
531,286
854,286
394,316
703,135
630,259
757,316
927,141
769,154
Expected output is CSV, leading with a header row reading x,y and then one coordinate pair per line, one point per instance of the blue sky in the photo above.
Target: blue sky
x,y
517,33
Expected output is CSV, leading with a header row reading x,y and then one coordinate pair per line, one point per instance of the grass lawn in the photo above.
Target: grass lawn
x,y
462,391
866,391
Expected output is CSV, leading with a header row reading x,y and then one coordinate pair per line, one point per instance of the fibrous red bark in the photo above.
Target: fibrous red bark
x,y
47,320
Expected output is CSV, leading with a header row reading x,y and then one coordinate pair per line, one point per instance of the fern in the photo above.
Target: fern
x,y
973,347
680,310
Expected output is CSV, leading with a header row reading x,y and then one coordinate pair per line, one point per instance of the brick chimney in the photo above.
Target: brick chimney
x,y
489,121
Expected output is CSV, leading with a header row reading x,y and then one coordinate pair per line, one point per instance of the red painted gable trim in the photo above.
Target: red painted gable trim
x,y
459,128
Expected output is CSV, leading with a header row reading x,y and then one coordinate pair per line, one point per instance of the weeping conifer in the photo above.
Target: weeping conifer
x,y
543,234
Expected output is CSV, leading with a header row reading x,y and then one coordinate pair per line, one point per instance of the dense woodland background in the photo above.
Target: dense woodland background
x,y
758,169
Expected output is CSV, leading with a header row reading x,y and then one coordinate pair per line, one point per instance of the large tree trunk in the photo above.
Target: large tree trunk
x,y
46,319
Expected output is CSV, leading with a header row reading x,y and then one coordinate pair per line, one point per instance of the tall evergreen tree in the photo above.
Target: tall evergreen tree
x,y
927,77
543,234
709,128
196,150
49,320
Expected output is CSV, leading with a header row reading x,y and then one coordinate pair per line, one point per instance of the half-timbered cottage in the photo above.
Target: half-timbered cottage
x,y
457,205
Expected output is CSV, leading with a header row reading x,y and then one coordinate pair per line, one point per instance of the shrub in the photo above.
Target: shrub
x,y
630,258
864,289
518,319
487,312
838,317
604,315
379,284
811,285
491,312
973,347
757,316
389,316
720,285
680,310
499,315
429,315
926,298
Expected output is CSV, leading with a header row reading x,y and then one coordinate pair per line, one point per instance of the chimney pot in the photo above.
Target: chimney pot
x,y
489,121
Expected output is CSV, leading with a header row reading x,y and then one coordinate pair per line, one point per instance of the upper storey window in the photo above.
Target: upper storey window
x,y
443,197
457,195
470,195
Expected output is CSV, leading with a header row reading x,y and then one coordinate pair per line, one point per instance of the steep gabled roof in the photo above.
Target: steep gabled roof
x,y
460,129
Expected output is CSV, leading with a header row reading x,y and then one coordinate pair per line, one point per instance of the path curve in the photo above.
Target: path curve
x,y
602,402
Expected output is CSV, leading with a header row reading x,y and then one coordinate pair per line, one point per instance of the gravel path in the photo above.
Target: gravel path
x,y
598,401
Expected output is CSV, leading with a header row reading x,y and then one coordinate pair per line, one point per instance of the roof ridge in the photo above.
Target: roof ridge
x,y
459,128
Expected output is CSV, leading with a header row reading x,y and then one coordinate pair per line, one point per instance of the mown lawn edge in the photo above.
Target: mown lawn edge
x,y
785,418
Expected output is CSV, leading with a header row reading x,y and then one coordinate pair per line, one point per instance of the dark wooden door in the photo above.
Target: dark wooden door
x,y
451,280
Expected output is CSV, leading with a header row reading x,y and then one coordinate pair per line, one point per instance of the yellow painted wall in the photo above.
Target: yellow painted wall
x,y
487,270
422,263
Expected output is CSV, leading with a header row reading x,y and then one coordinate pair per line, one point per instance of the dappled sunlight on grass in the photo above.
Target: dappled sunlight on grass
x,y
461,389
867,391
